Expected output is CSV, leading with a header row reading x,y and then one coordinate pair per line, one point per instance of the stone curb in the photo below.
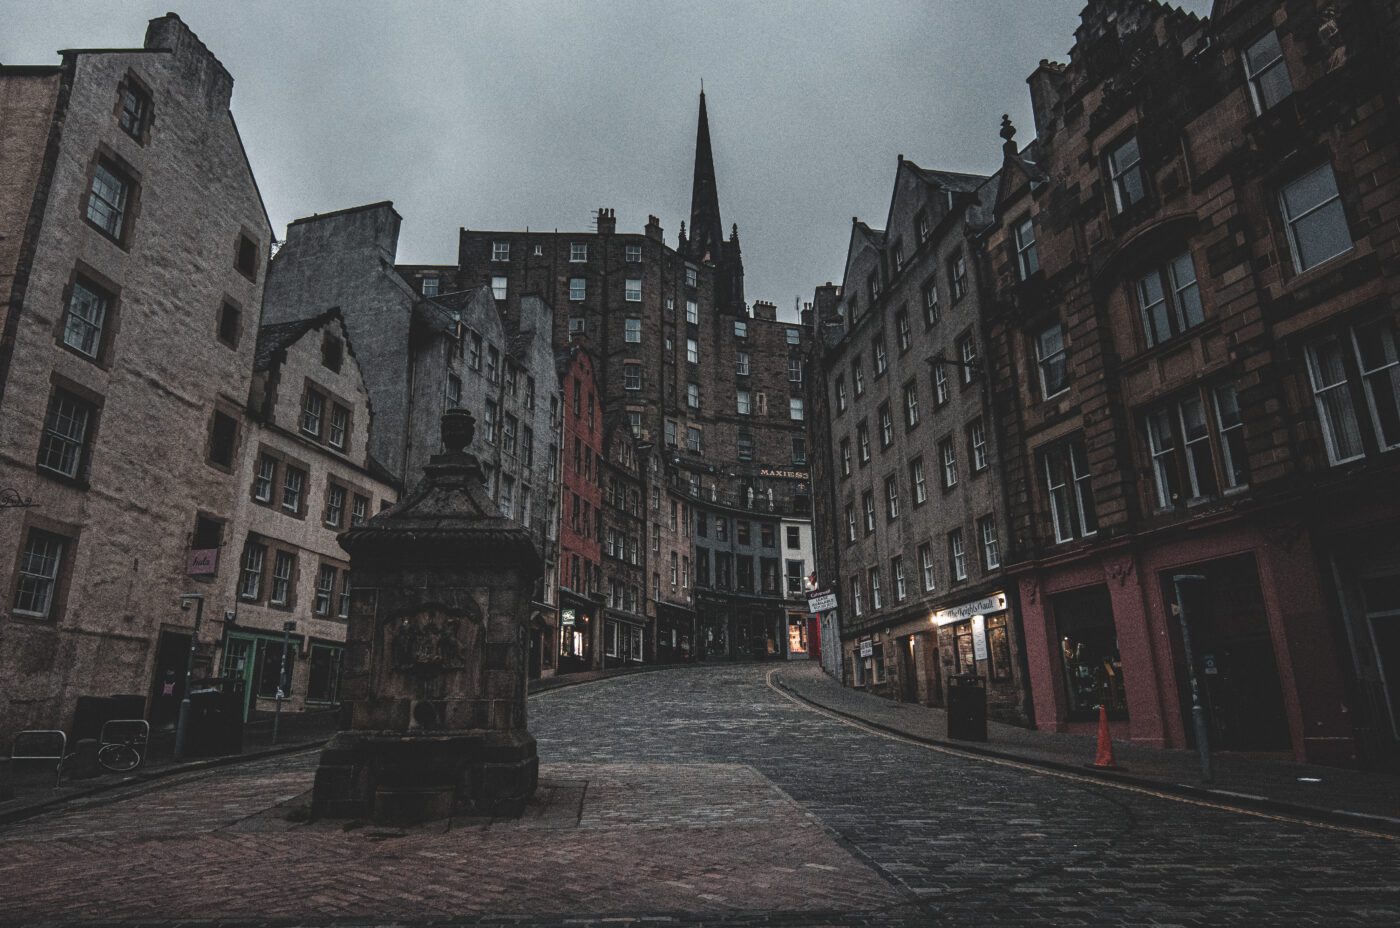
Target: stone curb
x,y
21,813
1338,817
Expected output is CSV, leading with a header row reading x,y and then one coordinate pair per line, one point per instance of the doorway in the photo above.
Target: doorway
x,y
1234,658
168,681
1381,600
908,677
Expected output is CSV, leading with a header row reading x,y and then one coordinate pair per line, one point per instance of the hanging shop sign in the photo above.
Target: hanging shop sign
x,y
821,601
994,603
979,637
566,616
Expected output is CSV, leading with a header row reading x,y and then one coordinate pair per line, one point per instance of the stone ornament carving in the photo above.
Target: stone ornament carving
x,y
1120,570
1030,590
428,641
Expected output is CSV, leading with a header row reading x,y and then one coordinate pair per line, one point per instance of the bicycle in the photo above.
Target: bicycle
x,y
123,746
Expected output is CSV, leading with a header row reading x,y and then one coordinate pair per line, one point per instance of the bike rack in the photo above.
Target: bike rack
x,y
46,737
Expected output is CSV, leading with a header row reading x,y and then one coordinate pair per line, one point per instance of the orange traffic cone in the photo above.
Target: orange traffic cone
x,y
1103,758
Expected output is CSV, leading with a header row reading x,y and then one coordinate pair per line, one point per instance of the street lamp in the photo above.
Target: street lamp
x,y
182,726
1198,710
287,628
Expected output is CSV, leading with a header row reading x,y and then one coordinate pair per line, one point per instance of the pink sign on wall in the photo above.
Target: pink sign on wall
x,y
202,562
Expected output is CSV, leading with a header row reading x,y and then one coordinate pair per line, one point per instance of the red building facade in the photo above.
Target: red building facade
x,y
1193,350
580,514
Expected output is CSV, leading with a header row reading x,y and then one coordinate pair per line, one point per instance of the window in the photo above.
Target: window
x,y
850,522
493,364
454,390
940,384
506,501
794,365
39,564
891,498
1027,260
283,566
917,481
932,311
577,325
632,290
867,500
1070,490
741,363
991,551
741,328
957,559
692,439
845,457
858,376
223,439
343,609
921,226
632,253
1186,425
967,350
325,589
886,426
264,478
977,445
743,531
250,576
578,289
430,286
335,505
578,251
135,110
926,566
87,313
474,350
872,284
794,540
631,376
68,427
692,351
1313,215
498,286
794,336
323,680
793,574
246,259
500,251
742,402
230,324
840,393
795,408
948,454
897,254
691,277
671,433
863,441
799,449
488,424
957,276
359,510
877,349
293,489
332,352
632,330
874,576
911,404
1266,73
1050,361
1125,174
692,312
108,198
855,596
901,328
313,407
1227,419
692,395
1169,300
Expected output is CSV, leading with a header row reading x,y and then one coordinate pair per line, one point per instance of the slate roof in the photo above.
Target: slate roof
x,y
275,338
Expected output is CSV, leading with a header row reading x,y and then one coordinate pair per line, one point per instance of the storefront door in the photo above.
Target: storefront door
x,y
908,677
168,681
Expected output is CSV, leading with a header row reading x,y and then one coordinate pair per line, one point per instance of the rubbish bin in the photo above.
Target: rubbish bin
x,y
215,728
967,707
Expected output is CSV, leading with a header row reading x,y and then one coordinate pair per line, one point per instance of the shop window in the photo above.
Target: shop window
x,y
964,656
1088,642
323,682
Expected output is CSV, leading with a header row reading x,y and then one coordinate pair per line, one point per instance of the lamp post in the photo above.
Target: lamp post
x,y
1198,709
287,628
182,725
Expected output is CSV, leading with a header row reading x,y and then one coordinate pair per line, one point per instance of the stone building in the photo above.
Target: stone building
x,y
671,554
305,477
422,353
918,505
580,514
1193,350
628,633
133,241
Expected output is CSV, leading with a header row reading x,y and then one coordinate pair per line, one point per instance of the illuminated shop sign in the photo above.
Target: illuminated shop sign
x,y
994,603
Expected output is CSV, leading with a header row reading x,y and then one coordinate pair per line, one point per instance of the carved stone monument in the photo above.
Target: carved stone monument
x,y
435,654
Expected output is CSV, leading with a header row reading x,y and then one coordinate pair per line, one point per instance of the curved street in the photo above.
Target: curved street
x,y
698,796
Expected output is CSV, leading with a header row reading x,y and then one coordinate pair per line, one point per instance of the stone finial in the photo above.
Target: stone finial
x,y
1008,132
458,429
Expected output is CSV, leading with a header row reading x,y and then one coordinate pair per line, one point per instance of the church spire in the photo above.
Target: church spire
x,y
706,229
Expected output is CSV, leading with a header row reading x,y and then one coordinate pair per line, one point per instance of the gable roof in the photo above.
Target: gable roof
x,y
275,338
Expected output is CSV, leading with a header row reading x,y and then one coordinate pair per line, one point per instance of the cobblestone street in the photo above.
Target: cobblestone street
x,y
691,797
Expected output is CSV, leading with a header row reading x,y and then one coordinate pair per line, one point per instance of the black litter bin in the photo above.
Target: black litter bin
x,y
215,728
967,707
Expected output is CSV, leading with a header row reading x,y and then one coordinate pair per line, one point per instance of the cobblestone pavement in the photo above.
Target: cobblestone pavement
x,y
698,796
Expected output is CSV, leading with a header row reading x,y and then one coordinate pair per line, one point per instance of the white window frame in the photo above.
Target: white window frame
x,y
957,555
578,292
500,251
1119,169
578,252
632,330
1044,359
692,351
632,290
930,582
1332,203
1255,71
1027,258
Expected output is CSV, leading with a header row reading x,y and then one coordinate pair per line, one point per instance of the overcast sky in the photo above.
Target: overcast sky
x,y
503,115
